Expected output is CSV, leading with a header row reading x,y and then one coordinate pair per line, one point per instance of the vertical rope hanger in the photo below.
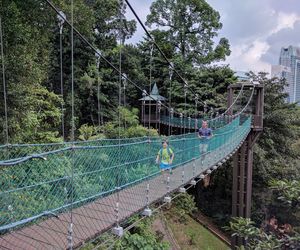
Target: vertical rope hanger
x,y
147,211
150,109
184,135
4,83
119,230
60,25
70,231
98,87
170,98
185,108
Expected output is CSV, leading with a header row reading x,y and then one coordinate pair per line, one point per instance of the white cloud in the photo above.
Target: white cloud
x,y
285,20
256,29
247,57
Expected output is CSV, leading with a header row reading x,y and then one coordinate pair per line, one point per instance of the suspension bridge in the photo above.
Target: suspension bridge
x,y
62,195
56,193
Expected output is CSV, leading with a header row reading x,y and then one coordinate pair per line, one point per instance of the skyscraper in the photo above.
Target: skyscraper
x,y
289,68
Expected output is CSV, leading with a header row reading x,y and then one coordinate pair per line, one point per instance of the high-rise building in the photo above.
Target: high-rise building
x,y
289,68
242,76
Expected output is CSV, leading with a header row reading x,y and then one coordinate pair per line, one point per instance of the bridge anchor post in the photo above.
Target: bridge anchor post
x,y
147,212
118,231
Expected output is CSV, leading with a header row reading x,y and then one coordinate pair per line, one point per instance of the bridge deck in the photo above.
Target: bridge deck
x,y
96,217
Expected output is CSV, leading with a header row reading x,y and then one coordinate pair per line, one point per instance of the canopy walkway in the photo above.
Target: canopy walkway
x,y
52,191
61,195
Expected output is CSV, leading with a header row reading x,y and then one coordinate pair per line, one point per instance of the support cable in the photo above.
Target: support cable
x,y
118,230
60,25
98,88
70,229
150,80
246,106
170,98
232,104
147,211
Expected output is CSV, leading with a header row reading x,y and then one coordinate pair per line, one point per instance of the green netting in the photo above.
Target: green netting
x,y
16,151
89,170
194,123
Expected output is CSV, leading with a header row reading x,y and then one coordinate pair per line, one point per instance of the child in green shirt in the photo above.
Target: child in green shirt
x,y
165,156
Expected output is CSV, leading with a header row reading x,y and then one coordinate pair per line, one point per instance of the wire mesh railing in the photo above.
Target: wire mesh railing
x,y
33,189
192,123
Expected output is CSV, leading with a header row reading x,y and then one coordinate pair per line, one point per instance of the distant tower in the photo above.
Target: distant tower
x,y
289,68
150,107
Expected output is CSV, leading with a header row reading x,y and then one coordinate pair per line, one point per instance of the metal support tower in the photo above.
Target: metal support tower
x,y
243,158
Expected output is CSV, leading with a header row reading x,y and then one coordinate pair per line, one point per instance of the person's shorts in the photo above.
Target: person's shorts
x,y
203,147
164,166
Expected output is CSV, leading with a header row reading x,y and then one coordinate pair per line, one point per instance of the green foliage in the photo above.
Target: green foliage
x,y
260,240
243,227
185,202
288,191
130,127
88,132
184,205
191,26
142,237
274,157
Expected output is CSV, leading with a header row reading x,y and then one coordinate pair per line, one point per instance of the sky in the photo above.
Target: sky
x,y
256,29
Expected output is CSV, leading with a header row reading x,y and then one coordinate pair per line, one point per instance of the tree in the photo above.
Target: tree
x,y
33,113
191,26
272,235
274,156
111,23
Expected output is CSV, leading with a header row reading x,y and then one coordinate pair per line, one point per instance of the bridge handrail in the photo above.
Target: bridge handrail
x,y
25,185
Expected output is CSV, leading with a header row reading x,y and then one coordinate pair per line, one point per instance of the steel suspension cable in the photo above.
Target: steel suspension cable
x,y
232,104
149,138
118,184
70,230
4,83
246,106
